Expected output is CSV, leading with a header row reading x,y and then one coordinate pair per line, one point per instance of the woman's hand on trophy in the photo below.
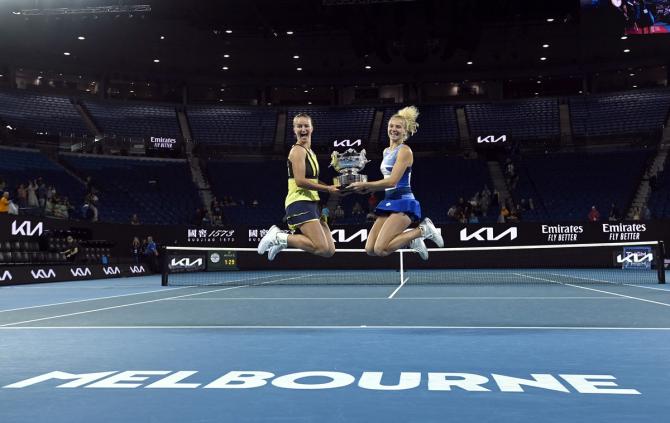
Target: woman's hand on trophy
x,y
332,189
359,187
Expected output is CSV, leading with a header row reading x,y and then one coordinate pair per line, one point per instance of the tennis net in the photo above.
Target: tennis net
x,y
611,263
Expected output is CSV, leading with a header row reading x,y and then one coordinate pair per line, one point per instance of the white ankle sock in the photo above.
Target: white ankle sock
x,y
282,238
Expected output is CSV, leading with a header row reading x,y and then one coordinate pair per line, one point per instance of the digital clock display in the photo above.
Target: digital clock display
x,y
218,260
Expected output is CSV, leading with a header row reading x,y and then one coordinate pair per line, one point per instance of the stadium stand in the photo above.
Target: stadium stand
x,y
532,119
618,114
19,166
437,127
564,186
159,191
51,115
244,128
243,182
134,120
334,123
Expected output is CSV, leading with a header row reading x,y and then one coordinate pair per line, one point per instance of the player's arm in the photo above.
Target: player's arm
x,y
297,158
404,160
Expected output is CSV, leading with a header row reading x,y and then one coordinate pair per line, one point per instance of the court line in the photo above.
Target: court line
x,y
118,296
597,290
397,289
611,283
146,302
386,298
361,327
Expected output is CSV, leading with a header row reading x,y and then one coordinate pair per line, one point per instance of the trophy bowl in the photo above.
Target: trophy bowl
x,y
348,164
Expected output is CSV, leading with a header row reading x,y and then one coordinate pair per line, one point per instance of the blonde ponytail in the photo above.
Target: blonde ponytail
x,y
409,115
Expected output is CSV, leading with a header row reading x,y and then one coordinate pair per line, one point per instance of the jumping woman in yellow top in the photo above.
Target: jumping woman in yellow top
x,y
302,201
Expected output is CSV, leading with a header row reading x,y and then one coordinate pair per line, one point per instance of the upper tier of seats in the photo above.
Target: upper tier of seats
x,y
52,115
334,123
134,119
159,191
522,120
621,113
251,127
437,126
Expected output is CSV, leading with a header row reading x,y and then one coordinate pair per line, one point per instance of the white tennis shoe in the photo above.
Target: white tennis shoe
x,y
419,247
269,240
274,250
429,231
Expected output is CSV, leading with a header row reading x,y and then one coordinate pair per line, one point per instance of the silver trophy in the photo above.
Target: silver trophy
x,y
348,164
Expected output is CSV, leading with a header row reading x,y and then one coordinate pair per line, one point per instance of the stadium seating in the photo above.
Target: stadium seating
x,y
159,191
532,119
250,128
18,166
334,123
437,127
618,114
134,120
264,181
50,115
564,186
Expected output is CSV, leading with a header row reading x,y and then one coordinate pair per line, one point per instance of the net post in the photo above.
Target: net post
x,y
660,262
164,267
402,268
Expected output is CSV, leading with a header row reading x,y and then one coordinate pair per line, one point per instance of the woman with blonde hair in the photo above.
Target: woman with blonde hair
x,y
302,200
399,208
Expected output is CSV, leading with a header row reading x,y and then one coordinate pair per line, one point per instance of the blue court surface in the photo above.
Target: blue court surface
x,y
129,350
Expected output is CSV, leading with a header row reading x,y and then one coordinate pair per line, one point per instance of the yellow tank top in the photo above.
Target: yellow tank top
x,y
296,193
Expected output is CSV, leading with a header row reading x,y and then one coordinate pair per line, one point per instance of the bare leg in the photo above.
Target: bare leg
x,y
312,239
329,237
392,235
374,233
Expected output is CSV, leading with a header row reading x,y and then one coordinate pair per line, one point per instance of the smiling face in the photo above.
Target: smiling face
x,y
302,128
396,130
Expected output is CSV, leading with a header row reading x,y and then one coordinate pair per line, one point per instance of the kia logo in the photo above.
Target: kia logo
x,y
488,234
111,270
41,274
79,272
26,228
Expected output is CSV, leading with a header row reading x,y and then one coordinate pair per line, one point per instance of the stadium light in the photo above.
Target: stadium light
x,y
67,53
81,37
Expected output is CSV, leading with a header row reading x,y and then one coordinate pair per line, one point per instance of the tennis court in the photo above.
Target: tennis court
x,y
557,345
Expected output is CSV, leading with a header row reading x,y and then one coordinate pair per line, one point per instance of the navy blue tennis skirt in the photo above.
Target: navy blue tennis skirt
x,y
300,212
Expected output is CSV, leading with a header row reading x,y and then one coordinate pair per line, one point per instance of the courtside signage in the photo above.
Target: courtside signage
x,y
491,139
488,234
26,228
603,384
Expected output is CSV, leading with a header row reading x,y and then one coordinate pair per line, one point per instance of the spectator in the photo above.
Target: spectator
x,y
72,249
339,212
594,214
357,209
473,218
136,250
213,203
151,254
41,193
134,219
254,203
636,213
217,213
504,211
92,201
207,219
531,205
325,214
51,192
22,196
32,197
647,213
4,202
60,209
614,213
501,217
49,207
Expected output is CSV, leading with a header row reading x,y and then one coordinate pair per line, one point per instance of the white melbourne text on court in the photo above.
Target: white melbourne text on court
x,y
26,228
318,380
489,234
